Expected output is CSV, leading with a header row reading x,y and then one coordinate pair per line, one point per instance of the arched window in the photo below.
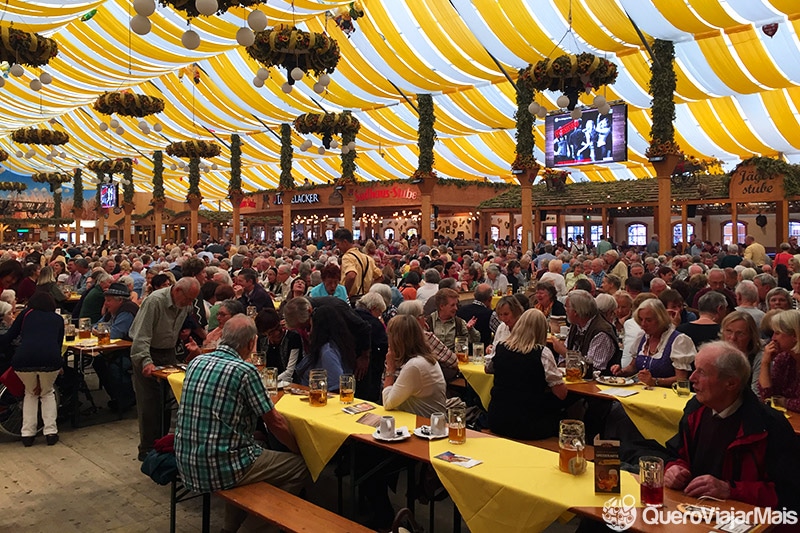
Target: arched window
x,y
519,233
677,232
727,232
637,234
411,232
596,231
388,233
495,233
551,234
279,235
574,231
794,228
329,234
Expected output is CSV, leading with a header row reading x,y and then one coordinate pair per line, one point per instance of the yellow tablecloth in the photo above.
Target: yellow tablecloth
x,y
479,380
495,299
656,413
320,431
176,384
517,487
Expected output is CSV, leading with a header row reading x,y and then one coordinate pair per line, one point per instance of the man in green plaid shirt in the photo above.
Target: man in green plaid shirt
x,y
223,397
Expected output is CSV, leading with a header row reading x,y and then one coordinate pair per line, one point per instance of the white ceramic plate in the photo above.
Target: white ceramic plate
x,y
401,434
615,382
426,435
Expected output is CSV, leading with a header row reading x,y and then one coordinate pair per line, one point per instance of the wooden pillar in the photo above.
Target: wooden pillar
x,y
734,223
77,212
287,221
101,224
782,222
127,234
604,222
158,227
428,218
484,227
530,229
664,167
537,228
236,202
194,205
684,224
559,225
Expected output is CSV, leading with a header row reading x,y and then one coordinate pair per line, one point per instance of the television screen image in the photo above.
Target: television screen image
x,y
590,140
108,196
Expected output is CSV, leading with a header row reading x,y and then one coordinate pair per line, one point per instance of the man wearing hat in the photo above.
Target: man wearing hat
x,y
114,368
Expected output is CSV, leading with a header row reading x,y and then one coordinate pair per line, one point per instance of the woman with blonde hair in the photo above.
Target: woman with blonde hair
x,y
778,375
420,386
740,329
528,388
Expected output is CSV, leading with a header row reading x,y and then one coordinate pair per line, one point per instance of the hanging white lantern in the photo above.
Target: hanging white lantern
x,y
120,131
324,80
157,127
114,123
214,166
533,108
30,153
107,179
286,87
181,164
257,20
297,73
562,101
319,89
45,78
59,190
144,8
245,36
63,155
206,7
258,82
53,153
345,150
142,124
334,144
140,25
190,40
605,109
146,130
173,166
48,157
351,145
305,145
541,112
599,100
576,113
19,153
2,81
16,70
262,73
321,150
102,126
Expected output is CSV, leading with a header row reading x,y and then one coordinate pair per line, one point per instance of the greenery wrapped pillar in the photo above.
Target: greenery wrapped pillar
x,y
235,192
286,183
525,167
425,175
102,213
159,200
77,204
194,199
127,202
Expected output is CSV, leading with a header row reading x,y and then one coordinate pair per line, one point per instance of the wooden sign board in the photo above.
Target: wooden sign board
x,y
749,185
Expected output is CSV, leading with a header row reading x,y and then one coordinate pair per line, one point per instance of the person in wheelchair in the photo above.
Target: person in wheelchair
x,y
114,368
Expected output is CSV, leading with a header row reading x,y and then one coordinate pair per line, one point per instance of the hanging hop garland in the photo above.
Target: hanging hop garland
x,y
77,202
128,104
158,176
109,166
584,72
204,149
426,137
327,125
289,47
3,155
16,186
39,136
235,185
194,178
286,179
51,177
662,87
25,48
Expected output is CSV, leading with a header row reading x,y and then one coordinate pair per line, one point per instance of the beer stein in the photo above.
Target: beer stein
x,y
462,349
84,328
318,387
571,442
576,366
103,334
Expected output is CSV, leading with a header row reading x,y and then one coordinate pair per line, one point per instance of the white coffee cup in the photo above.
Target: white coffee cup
x,y
387,427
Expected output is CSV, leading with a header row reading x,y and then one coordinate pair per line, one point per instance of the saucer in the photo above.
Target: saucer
x,y
426,433
401,434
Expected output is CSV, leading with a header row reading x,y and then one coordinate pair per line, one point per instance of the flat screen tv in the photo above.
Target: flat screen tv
x,y
592,139
109,195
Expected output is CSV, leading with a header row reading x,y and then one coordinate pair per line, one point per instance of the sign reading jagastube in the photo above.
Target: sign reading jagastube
x,y
307,198
396,191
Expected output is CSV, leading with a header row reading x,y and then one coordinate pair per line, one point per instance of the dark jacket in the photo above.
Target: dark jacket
x,y
259,298
42,337
762,464
53,290
360,329
369,388
483,315
92,304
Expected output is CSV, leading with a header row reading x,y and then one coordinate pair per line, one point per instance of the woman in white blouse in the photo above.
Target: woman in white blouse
x,y
420,386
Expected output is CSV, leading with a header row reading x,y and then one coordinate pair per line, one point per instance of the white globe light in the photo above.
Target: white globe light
x,y
59,190
303,147
173,166
319,89
297,73
48,157
120,131
262,73
605,109
258,82
533,108
351,145
321,150
206,7
45,78
576,113
102,126
562,101
53,153
599,100
144,8
345,150
306,145
107,179
16,70
30,153
245,36
324,80
190,40
2,81
140,25
114,123
286,87
142,124
542,112
181,164
157,127
63,155
146,130
19,153
334,144
2,169
214,166
257,20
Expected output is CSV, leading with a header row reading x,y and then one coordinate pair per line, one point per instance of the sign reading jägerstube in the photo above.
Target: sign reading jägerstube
x,y
307,198
403,193
750,185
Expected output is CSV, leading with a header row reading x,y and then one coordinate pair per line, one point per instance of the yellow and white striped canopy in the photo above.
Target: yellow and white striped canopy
x,y
737,89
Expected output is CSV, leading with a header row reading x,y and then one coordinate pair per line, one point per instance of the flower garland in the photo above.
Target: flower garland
x,y
39,136
16,186
109,166
3,155
77,202
289,47
328,124
128,104
286,180
662,87
555,179
25,48
51,177
192,149
426,138
583,72
235,184
524,159
188,6
345,15
158,177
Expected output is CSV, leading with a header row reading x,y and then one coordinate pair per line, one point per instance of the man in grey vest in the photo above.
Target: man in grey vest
x,y
589,333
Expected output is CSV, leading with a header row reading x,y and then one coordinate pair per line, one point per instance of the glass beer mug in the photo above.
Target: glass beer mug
x,y
571,442
318,387
576,366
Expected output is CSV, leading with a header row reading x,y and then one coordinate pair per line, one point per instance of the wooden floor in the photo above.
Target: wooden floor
x,y
90,482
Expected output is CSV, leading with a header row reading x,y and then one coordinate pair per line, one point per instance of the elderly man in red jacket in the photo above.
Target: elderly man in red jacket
x,y
730,445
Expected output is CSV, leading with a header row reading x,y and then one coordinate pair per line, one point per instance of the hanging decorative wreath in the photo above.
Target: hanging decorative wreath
x,y
569,74
327,125
189,7
288,47
51,177
16,186
109,166
39,136
555,179
204,149
25,48
128,104
3,155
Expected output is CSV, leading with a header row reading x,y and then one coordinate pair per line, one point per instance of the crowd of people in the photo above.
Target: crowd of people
x,y
391,311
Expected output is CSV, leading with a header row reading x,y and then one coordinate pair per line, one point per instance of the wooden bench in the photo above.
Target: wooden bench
x,y
287,511
548,444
